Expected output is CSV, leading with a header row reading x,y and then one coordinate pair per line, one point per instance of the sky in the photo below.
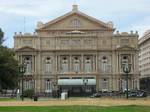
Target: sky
x,y
23,15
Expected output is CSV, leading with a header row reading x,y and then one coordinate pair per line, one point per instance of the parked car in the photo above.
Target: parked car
x,y
133,94
142,94
96,95
138,93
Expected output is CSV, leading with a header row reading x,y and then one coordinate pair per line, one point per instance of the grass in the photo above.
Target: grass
x,y
7,99
131,108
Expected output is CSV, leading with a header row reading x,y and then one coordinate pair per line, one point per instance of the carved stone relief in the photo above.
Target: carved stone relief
x,y
27,42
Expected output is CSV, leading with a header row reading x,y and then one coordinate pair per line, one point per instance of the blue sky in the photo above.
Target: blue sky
x,y
126,14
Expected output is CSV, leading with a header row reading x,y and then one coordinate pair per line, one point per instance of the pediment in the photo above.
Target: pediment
x,y
125,48
75,20
27,48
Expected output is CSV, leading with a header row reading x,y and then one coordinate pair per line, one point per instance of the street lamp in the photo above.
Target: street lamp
x,y
55,90
126,70
85,82
22,70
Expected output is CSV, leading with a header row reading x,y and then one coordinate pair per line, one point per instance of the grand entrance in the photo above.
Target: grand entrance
x,y
77,87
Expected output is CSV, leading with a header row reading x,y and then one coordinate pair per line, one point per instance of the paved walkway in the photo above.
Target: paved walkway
x,y
78,101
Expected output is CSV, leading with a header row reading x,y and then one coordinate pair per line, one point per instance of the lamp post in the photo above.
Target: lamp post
x,y
54,89
126,70
85,82
22,70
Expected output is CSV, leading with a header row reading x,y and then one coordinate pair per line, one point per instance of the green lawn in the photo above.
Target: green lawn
x,y
7,99
77,109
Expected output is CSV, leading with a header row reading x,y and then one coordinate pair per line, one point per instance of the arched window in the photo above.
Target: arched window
x,y
104,83
28,84
28,63
48,65
104,59
65,64
123,84
88,65
75,23
48,86
104,64
125,59
76,64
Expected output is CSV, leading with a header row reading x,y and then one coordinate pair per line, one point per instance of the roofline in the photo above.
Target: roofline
x,y
144,38
74,12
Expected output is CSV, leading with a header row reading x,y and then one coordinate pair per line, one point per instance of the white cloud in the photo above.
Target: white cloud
x,y
19,12
30,8
39,8
120,11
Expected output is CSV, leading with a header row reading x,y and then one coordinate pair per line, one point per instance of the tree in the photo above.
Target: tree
x,y
9,68
1,37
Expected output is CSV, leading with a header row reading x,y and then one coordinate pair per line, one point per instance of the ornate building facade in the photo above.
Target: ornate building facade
x,y
77,53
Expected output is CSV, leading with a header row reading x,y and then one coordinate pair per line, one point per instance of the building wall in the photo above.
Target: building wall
x,y
144,61
144,55
91,50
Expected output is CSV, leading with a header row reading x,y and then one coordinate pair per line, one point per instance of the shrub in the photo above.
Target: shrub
x,y
29,93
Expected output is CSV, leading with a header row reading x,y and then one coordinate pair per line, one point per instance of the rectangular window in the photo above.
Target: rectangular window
x,y
104,83
48,86
28,84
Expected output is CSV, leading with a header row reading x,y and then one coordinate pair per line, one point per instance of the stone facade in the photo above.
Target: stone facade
x,y
76,52
144,55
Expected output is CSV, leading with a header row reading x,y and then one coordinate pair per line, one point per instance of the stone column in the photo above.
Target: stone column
x,y
138,83
132,63
36,65
118,63
96,63
98,73
93,67
58,62
70,64
82,63
32,64
38,77
35,74
21,58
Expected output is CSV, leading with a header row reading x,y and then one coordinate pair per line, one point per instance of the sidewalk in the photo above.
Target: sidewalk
x,y
79,101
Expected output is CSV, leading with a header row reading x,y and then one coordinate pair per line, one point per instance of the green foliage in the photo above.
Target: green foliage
x,y
29,93
1,36
9,72
9,68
